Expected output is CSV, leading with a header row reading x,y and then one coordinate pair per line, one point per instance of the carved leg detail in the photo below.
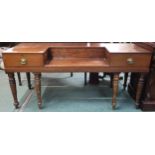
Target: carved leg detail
x,y
12,83
115,89
139,89
19,78
125,80
28,76
37,79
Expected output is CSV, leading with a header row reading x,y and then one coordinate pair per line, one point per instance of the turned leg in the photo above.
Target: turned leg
x,y
71,74
37,81
12,83
115,89
19,78
28,76
139,89
125,80
85,78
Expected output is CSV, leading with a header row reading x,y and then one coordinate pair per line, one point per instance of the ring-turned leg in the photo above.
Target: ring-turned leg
x,y
125,80
12,83
115,89
28,76
37,81
139,89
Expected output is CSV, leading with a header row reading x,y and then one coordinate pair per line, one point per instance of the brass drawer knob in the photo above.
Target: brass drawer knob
x,y
23,61
130,61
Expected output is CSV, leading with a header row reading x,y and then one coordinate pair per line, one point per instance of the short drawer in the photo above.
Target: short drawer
x,y
23,60
130,60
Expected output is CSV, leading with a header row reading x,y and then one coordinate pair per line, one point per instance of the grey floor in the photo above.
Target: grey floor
x,y
62,93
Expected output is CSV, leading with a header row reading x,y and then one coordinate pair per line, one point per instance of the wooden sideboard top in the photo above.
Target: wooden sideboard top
x,y
110,47
152,44
147,45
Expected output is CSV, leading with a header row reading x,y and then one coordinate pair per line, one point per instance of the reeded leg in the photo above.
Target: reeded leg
x,y
125,80
19,78
139,89
29,80
12,82
115,89
37,81
85,78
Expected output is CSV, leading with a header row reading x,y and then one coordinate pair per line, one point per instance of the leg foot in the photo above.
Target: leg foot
x,y
40,105
113,107
137,106
17,106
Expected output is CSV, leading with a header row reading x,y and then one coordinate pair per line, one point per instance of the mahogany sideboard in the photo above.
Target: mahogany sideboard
x,y
147,98
77,57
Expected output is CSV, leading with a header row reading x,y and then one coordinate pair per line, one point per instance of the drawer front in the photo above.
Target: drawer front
x,y
130,60
23,60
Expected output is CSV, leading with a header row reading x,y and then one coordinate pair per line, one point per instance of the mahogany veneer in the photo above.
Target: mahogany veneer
x,y
76,57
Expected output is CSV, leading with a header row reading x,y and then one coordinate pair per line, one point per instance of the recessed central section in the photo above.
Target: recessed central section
x,y
76,57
